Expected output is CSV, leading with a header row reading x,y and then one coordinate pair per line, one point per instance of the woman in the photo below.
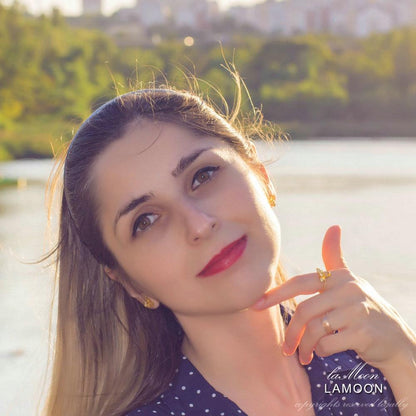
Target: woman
x,y
170,282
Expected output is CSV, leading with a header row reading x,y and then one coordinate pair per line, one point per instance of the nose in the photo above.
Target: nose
x,y
199,223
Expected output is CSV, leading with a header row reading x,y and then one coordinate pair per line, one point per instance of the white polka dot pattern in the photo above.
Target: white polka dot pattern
x,y
189,394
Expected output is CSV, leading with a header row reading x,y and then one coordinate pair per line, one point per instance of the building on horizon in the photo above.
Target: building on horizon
x,y
344,17
91,7
203,18
152,12
181,13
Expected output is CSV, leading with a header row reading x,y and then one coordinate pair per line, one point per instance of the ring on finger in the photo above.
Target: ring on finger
x,y
323,275
327,326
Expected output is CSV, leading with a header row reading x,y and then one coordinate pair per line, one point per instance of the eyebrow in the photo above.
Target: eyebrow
x,y
183,163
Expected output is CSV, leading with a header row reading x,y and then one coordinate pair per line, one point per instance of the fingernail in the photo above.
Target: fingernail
x,y
286,350
305,362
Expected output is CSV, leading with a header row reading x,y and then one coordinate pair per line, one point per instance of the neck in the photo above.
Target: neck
x,y
240,350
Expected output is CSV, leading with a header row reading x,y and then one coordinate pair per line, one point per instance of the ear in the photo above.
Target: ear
x,y
117,275
268,183
112,274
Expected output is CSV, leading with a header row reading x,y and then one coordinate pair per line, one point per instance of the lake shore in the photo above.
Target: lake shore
x,y
45,137
357,130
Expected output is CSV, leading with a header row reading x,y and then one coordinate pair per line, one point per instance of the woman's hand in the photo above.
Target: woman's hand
x,y
364,321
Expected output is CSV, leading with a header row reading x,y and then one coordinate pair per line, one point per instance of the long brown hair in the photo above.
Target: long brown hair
x,y
111,353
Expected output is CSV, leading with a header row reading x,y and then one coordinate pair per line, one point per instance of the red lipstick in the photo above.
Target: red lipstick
x,y
225,258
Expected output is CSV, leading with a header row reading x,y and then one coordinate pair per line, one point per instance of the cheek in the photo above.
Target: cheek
x,y
246,203
149,266
241,194
263,219
248,198
161,269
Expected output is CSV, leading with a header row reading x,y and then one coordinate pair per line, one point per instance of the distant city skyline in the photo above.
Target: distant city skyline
x,y
109,6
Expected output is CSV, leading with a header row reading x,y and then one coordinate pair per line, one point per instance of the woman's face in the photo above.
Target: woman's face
x,y
169,201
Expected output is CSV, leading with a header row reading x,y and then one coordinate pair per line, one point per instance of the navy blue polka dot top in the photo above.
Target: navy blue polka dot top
x,y
341,385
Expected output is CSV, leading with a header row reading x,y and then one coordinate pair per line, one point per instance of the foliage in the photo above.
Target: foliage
x,y
52,73
48,68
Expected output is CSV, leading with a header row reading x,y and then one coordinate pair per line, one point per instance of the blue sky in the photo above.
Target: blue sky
x,y
73,7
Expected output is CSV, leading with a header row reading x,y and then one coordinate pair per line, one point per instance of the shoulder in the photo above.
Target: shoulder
x,y
183,395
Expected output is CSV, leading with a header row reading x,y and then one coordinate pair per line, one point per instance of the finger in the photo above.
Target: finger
x,y
347,339
331,249
306,312
303,284
339,320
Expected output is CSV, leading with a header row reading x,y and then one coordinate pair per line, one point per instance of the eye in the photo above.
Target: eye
x,y
143,222
203,175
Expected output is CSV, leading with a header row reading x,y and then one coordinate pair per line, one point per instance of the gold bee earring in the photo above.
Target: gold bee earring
x,y
272,200
148,303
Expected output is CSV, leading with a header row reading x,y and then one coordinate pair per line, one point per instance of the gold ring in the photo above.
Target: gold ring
x,y
323,275
327,326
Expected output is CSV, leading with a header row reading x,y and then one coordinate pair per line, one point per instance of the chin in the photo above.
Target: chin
x,y
264,280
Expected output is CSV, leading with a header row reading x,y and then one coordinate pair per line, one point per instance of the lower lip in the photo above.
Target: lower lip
x,y
227,260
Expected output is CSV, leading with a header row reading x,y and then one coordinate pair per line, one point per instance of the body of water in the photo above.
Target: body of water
x,y
368,187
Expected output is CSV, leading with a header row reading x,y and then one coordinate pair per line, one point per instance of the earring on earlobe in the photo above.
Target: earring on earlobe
x,y
272,200
148,303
